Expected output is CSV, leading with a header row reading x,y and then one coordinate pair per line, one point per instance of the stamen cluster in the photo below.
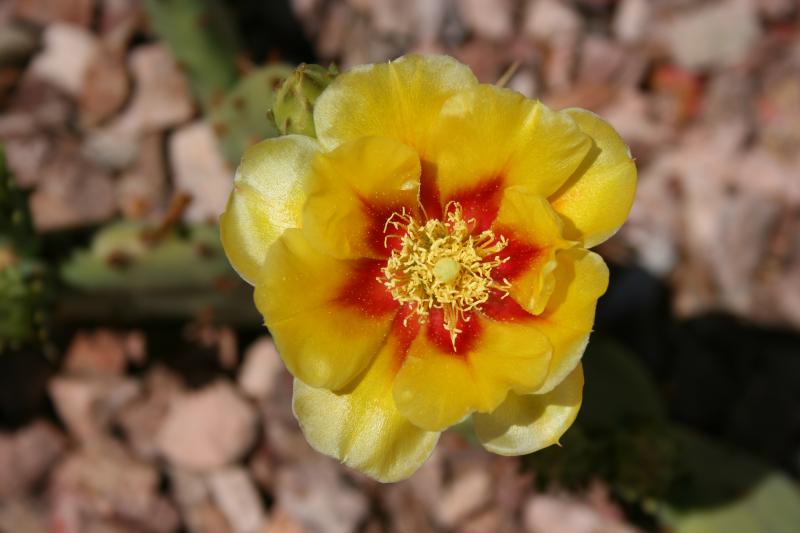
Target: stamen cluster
x,y
442,265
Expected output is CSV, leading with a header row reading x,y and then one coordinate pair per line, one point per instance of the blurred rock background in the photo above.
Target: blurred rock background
x,y
139,393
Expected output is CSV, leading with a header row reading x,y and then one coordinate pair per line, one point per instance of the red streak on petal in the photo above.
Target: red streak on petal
x,y
429,192
364,292
521,256
481,203
440,337
505,309
405,329
378,215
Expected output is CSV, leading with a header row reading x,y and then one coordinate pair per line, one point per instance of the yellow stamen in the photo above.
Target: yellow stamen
x,y
441,265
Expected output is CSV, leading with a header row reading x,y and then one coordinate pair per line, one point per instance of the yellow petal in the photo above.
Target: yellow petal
x,y
527,423
597,198
361,426
436,387
267,198
534,233
328,317
353,190
581,277
487,137
399,100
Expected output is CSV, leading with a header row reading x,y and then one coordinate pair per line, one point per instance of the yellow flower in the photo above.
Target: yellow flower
x,y
425,260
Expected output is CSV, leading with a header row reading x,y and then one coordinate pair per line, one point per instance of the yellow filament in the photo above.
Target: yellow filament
x,y
441,265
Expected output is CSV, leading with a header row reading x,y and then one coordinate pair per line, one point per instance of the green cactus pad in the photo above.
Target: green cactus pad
x,y
241,118
121,257
203,40
126,275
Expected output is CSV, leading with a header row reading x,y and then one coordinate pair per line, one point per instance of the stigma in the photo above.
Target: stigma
x,y
442,264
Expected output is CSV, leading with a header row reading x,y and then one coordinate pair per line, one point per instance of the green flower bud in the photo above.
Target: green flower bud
x,y
294,104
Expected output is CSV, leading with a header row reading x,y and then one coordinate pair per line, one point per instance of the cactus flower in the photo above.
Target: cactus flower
x,y
425,260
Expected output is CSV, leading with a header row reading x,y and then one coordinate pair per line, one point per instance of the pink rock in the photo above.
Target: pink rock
x,y
78,12
72,191
141,418
21,515
559,65
68,52
601,60
489,520
283,522
491,19
200,170
104,482
314,492
238,498
161,96
36,98
206,518
98,353
390,17
207,429
18,123
631,20
563,515
55,208
716,34
481,56
142,189
262,367
25,456
105,87
26,156
119,21
466,494
192,493
549,20
160,100
776,9
87,405
411,504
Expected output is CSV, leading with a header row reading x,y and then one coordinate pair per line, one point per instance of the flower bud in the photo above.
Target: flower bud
x,y
294,104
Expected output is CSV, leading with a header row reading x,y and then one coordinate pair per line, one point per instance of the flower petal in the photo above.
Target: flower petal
x,y
353,190
534,233
581,278
437,386
527,423
361,425
486,134
267,198
329,318
399,100
595,201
